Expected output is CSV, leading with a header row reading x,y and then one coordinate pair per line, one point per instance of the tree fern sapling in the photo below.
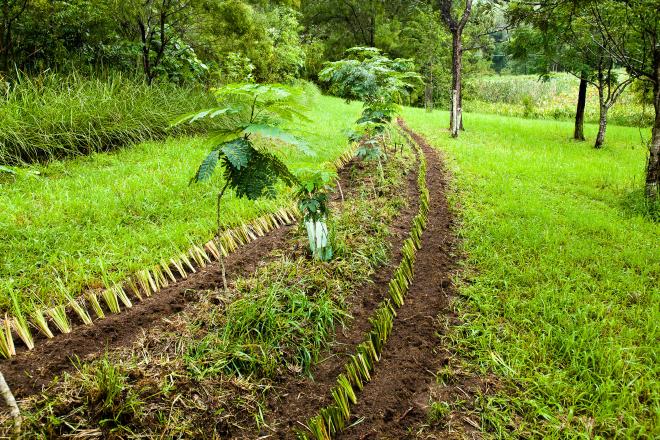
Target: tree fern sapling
x,y
250,169
313,196
380,82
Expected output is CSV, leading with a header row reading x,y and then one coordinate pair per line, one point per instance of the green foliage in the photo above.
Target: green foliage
x,y
551,97
251,109
313,198
53,116
367,75
130,208
313,193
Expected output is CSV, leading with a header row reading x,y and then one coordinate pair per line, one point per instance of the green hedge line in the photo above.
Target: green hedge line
x,y
53,116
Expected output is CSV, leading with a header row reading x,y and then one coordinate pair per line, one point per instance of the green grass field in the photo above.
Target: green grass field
x,y
109,214
562,276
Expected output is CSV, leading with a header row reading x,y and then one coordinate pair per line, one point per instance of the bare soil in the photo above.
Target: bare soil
x,y
297,398
395,404
396,401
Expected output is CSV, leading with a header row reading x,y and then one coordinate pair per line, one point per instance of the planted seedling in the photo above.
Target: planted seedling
x,y
251,169
381,83
313,194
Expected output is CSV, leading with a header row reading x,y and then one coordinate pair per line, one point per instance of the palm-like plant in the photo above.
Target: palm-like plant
x,y
248,110
368,75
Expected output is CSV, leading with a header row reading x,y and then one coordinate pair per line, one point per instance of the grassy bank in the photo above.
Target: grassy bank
x,y
53,116
561,287
108,214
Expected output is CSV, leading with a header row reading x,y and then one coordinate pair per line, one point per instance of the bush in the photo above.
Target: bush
x,y
52,116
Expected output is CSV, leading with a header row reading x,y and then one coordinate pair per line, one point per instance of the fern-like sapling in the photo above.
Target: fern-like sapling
x,y
250,169
369,76
313,197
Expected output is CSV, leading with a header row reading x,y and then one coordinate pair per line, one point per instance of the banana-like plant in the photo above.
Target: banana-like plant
x,y
312,195
251,169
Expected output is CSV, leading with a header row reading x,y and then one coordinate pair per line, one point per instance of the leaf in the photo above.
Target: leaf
x,y
206,113
4,169
238,152
207,167
274,132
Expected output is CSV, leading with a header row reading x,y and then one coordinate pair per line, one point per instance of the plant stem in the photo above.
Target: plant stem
x,y
11,403
222,257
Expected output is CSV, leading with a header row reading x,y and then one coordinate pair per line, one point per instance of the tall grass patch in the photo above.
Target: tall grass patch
x,y
528,96
562,281
52,116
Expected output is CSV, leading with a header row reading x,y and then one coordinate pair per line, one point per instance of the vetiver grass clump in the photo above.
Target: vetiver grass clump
x,y
562,284
52,116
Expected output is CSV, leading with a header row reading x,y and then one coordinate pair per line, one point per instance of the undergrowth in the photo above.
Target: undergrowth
x,y
561,281
527,96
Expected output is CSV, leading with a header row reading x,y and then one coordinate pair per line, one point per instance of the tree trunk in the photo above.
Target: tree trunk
x,y
428,97
602,127
428,91
455,113
578,134
460,109
653,166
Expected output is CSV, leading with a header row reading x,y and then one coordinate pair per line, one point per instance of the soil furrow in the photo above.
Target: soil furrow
x,y
30,371
299,398
397,398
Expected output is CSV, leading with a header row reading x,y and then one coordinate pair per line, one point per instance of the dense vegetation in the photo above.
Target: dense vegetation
x,y
107,215
563,274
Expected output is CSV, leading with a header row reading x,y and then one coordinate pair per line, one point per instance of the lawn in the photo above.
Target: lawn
x,y
109,214
562,276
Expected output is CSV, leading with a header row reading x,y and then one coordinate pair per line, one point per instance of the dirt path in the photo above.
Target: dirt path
x,y
397,398
395,403
298,398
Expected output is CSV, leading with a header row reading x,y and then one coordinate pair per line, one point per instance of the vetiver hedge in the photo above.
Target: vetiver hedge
x,y
332,419
53,116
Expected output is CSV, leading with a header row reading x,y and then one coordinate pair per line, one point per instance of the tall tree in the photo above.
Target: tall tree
x,y
11,10
560,34
455,24
631,29
158,23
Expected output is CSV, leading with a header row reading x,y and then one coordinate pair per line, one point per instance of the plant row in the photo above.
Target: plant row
x,y
142,284
332,419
